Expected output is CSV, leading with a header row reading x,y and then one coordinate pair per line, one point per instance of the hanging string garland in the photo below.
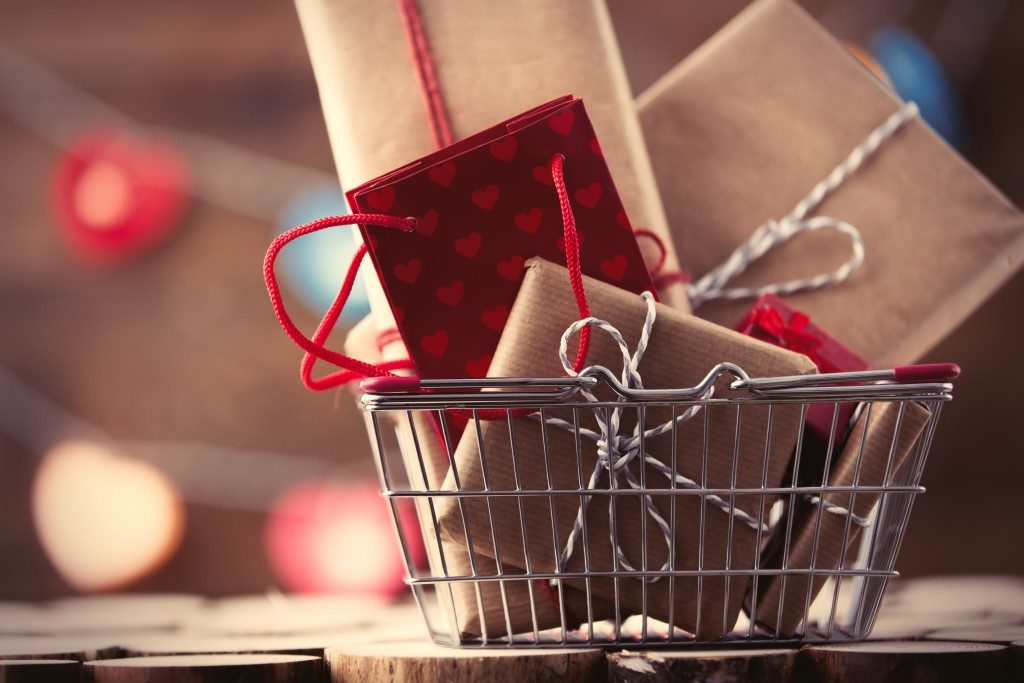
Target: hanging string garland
x,y
117,196
121,188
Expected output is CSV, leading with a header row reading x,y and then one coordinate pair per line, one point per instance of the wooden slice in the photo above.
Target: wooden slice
x,y
206,669
895,661
313,645
39,671
753,666
50,647
995,633
417,661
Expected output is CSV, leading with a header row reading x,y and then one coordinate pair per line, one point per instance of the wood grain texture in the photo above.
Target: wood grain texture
x,y
721,666
894,662
414,661
206,669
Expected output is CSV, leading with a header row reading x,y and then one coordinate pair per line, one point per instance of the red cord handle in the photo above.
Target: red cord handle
x,y
353,369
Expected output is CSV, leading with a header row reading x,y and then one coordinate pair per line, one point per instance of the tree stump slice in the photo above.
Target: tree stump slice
x,y
896,661
39,671
416,661
313,645
721,666
54,647
207,669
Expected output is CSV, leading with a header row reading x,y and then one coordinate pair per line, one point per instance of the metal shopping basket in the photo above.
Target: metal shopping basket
x,y
472,598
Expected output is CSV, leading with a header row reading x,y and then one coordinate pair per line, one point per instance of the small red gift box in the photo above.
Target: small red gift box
x,y
772,321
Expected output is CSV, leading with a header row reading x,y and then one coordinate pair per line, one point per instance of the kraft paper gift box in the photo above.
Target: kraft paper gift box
x,y
880,440
741,130
459,600
682,350
492,60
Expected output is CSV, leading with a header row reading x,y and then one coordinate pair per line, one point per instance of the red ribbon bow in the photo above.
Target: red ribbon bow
x,y
792,334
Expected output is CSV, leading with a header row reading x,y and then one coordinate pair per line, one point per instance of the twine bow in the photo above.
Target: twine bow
x,y
773,233
616,452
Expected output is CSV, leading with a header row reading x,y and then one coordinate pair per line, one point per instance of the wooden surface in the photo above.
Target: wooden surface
x,y
750,665
931,629
218,668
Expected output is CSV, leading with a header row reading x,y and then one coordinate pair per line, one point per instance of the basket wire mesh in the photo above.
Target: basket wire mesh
x,y
507,586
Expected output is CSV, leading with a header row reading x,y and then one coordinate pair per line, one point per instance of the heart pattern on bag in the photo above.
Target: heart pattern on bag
x,y
504,149
529,221
443,174
481,213
451,294
495,318
511,268
469,245
435,344
487,197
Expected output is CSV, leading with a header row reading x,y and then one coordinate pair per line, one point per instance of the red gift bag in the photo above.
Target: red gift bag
x,y
482,207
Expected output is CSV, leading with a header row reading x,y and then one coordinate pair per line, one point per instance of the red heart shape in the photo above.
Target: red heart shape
x,y
487,197
615,268
561,122
119,195
451,294
542,174
408,272
511,269
595,147
590,195
427,223
382,199
623,220
504,149
496,317
469,245
442,174
478,367
529,221
435,344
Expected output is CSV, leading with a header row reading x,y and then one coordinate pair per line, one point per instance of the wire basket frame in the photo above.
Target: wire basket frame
x,y
502,579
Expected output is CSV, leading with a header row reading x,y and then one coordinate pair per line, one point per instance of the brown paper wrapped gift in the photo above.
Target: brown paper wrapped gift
x,y
880,441
741,130
459,600
493,60
681,351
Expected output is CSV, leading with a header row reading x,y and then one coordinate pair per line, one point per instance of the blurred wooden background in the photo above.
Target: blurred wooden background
x,y
182,344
